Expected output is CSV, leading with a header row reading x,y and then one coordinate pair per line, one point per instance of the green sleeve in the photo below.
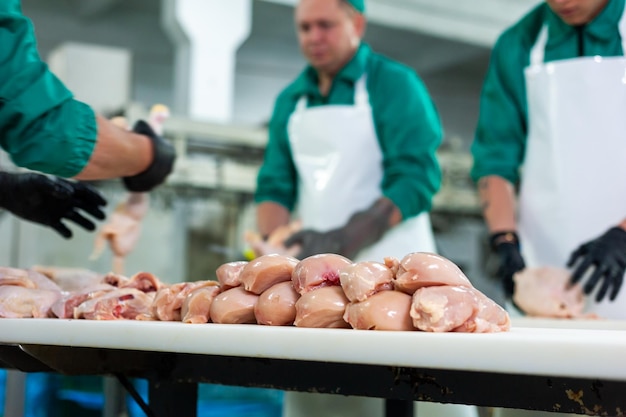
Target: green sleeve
x,y
277,179
498,147
409,131
41,126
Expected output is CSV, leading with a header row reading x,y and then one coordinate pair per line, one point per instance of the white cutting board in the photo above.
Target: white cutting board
x,y
533,346
588,324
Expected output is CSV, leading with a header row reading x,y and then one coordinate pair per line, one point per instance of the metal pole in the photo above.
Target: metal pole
x,y
398,408
114,394
14,394
15,389
173,399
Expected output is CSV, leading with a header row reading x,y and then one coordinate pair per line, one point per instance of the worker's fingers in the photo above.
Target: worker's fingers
x,y
581,251
84,192
617,284
597,274
92,209
581,270
606,284
90,195
62,229
293,251
80,220
296,239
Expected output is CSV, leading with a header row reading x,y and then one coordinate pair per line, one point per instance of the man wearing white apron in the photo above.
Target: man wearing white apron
x,y
352,152
553,107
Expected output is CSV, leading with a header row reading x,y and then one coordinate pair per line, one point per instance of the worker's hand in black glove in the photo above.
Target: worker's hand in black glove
x,y
507,248
50,200
364,228
606,255
162,162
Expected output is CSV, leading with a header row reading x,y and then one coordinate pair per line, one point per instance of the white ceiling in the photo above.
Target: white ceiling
x,y
272,25
471,21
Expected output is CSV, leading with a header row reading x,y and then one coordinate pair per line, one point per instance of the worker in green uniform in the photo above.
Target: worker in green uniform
x,y
352,145
351,154
43,128
553,104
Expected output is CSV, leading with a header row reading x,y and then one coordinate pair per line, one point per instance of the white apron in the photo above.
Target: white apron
x,y
339,163
574,175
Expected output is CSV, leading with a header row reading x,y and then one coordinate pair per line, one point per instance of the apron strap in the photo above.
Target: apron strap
x,y
361,96
301,104
622,30
537,53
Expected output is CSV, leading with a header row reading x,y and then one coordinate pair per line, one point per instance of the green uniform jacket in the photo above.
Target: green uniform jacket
x,y
406,122
41,126
500,141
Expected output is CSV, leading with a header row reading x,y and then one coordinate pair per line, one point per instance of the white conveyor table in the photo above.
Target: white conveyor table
x,y
573,366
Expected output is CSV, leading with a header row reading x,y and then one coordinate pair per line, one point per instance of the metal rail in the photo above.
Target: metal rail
x,y
174,377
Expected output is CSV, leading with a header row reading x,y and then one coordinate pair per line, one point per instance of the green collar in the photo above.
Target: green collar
x,y
602,27
307,81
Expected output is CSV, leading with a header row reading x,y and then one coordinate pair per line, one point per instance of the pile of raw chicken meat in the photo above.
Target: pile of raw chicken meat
x,y
422,291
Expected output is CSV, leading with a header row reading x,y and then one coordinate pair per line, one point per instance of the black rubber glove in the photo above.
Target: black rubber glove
x,y
607,255
50,200
507,248
162,161
363,229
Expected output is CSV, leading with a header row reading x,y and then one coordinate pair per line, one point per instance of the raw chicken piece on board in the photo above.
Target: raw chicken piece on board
x,y
64,307
318,271
27,278
197,305
422,269
169,300
234,306
545,292
444,299
124,227
119,304
277,305
384,310
364,279
70,279
22,302
228,274
447,308
263,272
322,308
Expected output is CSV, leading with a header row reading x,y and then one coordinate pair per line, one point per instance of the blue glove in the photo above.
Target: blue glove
x,y
50,201
606,256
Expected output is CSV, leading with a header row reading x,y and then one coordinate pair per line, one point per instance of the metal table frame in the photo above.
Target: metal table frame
x,y
173,380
